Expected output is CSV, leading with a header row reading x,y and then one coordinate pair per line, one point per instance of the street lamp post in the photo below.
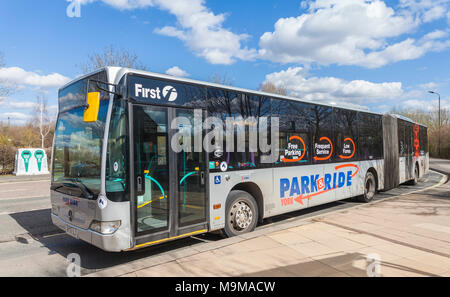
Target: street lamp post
x,y
439,122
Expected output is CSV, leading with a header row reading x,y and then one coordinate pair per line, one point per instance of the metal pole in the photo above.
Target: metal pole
x,y
439,122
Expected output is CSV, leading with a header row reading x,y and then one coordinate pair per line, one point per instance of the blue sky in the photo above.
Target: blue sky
x,y
377,54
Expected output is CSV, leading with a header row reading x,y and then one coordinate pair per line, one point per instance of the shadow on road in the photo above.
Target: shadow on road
x,y
353,264
39,226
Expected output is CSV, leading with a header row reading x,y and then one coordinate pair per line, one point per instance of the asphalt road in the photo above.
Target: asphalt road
x,y
440,165
31,246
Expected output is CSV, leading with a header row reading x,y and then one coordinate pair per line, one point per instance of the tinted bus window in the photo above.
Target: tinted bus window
x,y
409,138
423,140
370,136
75,94
346,134
322,133
402,148
222,104
253,107
294,138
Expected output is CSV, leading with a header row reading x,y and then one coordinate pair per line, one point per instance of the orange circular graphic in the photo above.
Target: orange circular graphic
x,y
304,150
331,151
354,149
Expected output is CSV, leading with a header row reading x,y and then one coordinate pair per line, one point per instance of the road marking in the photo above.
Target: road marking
x,y
434,227
24,198
15,190
22,182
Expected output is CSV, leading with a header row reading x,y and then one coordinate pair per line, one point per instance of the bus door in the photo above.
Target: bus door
x,y
169,197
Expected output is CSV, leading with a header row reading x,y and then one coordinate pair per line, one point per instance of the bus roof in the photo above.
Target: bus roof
x,y
116,73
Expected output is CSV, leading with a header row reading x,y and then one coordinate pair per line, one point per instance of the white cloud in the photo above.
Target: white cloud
x,y
331,89
21,77
429,105
14,116
425,10
429,86
17,104
434,13
200,29
347,32
176,71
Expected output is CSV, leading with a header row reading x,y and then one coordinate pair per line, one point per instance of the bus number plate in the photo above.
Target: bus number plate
x,y
72,232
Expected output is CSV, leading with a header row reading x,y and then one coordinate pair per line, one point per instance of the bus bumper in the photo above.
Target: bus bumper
x,y
116,242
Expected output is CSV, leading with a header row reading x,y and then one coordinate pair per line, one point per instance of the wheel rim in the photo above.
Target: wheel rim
x,y
241,216
370,188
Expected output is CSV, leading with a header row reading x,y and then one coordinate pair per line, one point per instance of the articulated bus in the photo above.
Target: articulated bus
x,y
121,182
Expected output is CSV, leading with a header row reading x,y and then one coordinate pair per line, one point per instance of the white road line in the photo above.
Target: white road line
x,y
15,190
25,197
29,181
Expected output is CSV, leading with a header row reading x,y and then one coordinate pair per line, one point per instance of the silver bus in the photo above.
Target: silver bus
x,y
118,184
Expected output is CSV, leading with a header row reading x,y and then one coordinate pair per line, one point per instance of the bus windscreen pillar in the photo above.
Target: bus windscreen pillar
x,y
31,161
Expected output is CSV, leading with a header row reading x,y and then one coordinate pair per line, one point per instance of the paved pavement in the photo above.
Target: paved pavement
x,y
31,246
406,235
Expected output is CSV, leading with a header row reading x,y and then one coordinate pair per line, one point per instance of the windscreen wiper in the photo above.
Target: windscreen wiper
x,y
77,183
86,106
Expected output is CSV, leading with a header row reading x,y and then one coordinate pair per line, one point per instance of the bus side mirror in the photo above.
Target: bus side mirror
x,y
93,105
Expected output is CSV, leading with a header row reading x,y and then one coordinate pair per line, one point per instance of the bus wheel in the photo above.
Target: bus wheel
x,y
416,176
369,188
241,213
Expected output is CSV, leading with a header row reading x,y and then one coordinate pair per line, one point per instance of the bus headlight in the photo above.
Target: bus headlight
x,y
105,227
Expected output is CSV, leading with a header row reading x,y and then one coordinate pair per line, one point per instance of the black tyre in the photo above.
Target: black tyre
x,y
416,176
241,213
370,188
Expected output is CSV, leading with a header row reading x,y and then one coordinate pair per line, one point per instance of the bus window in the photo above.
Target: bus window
x,y
243,112
346,135
117,154
423,140
370,136
295,123
220,106
322,134
402,148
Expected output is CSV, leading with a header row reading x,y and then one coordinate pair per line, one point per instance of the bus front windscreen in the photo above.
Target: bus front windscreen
x,y
78,147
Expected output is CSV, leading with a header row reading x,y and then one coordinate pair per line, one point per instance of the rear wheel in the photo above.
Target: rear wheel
x,y
370,187
416,176
241,213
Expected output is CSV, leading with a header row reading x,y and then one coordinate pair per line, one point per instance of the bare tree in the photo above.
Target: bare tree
x,y
4,90
430,118
221,79
43,117
111,56
269,87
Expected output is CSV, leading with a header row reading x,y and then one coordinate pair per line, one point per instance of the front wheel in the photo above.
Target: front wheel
x,y
369,188
241,213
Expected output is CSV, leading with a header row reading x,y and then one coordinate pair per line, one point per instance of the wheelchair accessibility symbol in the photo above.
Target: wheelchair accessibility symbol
x,y
217,180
